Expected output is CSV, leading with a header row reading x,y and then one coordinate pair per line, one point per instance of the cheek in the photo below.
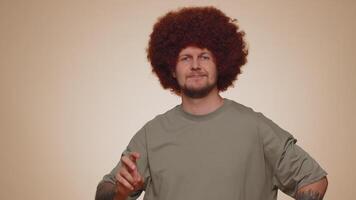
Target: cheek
x,y
213,73
179,76
180,73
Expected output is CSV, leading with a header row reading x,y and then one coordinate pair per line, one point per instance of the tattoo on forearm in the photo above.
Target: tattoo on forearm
x,y
309,195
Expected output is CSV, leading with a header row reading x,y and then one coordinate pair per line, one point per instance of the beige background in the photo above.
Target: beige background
x,y
75,86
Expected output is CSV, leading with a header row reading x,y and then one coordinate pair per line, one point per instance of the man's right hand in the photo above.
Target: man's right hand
x,y
128,178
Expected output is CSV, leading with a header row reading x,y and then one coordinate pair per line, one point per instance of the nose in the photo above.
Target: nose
x,y
195,64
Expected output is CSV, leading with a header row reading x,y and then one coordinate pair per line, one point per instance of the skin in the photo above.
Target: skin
x,y
196,73
128,178
313,191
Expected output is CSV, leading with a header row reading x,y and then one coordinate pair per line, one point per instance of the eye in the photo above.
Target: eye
x,y
205,57
184,58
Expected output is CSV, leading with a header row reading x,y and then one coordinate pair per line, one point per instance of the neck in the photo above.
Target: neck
x,y
204,105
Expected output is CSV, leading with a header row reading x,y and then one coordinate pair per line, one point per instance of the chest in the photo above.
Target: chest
x,y
223,149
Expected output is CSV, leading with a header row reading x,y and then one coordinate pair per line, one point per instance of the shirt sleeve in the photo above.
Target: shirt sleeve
x,y
292,167
136,144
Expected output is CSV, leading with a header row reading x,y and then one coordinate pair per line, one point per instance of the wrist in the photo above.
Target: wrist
x,y
118,195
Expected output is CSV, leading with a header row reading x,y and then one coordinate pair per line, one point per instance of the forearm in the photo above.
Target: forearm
x,y
107,191
314,191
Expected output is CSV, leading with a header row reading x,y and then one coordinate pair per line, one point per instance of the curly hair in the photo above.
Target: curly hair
x,y
203,27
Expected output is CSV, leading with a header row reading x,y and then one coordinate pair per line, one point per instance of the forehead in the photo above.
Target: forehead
x,y
194,50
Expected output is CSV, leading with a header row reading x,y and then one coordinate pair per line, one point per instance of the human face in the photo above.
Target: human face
x,y
196,72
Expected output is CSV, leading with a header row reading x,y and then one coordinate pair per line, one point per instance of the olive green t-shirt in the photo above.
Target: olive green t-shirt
x,y
231,153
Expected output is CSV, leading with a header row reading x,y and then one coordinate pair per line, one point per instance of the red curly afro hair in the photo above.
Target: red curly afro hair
x,y
203,27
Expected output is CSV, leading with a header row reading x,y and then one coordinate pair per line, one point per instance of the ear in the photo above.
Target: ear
x,y
174,74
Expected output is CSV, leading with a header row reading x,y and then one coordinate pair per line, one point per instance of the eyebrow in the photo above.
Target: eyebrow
x,y
187,54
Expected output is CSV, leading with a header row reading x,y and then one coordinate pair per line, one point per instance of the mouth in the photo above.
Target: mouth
x,y
196,76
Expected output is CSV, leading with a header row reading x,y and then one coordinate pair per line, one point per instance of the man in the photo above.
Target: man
x,y
208,147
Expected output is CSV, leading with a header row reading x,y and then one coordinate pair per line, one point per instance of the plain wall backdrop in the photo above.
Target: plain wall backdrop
x,y
75,86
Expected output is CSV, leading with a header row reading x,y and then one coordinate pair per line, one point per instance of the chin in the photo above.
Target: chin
x,y
198,92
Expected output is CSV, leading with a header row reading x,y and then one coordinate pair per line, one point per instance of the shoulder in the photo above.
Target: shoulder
x,y
243,110
240,107
249,111
160,118
255,118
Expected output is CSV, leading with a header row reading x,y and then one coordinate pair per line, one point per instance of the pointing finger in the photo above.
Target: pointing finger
x,y
129,163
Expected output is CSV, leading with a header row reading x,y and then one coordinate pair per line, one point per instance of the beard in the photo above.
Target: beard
x,y
198,93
